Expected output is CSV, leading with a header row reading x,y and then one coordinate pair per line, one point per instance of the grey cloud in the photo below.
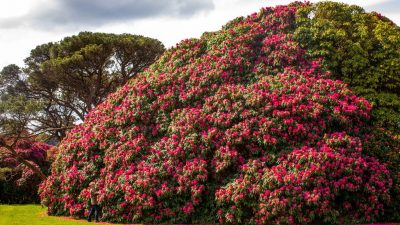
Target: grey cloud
x,y
77,13
11,23
389,7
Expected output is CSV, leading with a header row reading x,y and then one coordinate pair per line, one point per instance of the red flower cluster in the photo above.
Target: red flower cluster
x,y
332,183
210,130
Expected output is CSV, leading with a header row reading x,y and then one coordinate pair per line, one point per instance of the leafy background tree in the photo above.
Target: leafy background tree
x,y
16,115
76,74
60,83
70,77
359,48
23,160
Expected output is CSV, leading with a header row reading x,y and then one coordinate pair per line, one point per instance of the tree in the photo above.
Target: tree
x,y
362,49
76,74
16,113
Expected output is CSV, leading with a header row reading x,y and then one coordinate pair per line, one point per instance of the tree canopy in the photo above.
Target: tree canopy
x,y
16,115
72,76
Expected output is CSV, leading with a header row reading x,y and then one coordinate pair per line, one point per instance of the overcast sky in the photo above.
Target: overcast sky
x,y
24,24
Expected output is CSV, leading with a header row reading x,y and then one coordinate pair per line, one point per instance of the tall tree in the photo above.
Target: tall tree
x,y
16,114
74,75
18,124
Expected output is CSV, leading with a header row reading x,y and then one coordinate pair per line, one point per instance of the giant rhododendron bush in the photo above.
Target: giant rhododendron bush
x,y
235,127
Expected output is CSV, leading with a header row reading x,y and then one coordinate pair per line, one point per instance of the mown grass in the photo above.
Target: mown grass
x,y
33,215
36,215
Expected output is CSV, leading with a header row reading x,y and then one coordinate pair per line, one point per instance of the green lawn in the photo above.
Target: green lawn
x,y
36,215
33,215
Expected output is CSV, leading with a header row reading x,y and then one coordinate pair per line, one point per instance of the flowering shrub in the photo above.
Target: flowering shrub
x,y
21,183
385,146
219,128
330,184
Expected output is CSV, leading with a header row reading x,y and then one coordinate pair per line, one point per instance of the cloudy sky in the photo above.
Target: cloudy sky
x,y
24,24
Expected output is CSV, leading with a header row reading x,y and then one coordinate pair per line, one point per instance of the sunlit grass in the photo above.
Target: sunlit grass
x,y
33,215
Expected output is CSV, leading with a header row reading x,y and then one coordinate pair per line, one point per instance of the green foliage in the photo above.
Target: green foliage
x,y
10,79
362,49
16,110
16,113
70,77
79,71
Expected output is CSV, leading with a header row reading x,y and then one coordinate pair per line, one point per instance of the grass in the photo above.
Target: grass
x,y
33,215
36,215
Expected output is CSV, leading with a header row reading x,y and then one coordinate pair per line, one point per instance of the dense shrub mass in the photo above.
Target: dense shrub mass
x,y
18,183
237,126
306,185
